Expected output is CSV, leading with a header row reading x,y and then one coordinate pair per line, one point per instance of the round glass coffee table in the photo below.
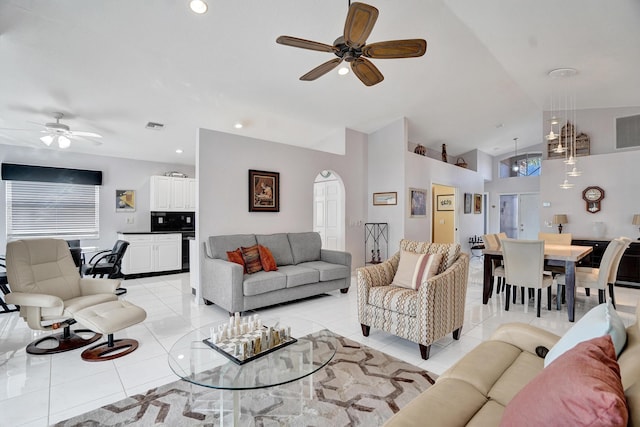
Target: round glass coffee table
x,y
195,361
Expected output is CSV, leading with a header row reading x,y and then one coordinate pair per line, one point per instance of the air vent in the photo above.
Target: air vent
x,y
628,132
154,126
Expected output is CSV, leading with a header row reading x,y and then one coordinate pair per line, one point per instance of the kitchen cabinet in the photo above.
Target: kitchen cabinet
x,y
170,193
152,253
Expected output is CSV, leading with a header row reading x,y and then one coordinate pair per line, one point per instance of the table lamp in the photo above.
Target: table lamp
x,y
636,221
560,219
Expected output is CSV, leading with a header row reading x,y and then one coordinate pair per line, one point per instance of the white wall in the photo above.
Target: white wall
x,y
394,167
616,173
386,150
117,174
223,162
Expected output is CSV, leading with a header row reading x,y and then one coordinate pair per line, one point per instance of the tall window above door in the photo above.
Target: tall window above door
x,y
527,164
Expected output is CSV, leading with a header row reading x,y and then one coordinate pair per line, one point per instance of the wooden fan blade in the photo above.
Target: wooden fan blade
x,y
321,70
360,21
395,49
304,44
366,71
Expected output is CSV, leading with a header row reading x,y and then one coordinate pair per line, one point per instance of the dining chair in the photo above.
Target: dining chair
x,y
597,278
564,239
492,242
524,267
613,273
107,262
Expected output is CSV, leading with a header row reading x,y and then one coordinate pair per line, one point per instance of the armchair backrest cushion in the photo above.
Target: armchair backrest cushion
x,y
220,245
450,251
279,246
42,266
415,269
305,247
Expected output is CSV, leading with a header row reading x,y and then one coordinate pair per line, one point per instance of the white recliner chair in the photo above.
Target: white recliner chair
x,y
45,283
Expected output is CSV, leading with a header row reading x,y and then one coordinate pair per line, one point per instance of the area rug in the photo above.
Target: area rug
x,y
359,387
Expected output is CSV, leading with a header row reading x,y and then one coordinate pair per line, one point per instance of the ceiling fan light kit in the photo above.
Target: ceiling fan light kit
x,y
351,47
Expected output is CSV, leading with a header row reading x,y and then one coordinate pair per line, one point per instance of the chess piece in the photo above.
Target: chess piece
x,y
378,255
373,257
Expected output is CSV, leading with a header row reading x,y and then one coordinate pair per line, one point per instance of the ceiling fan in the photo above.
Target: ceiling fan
x,y
61,133
352,47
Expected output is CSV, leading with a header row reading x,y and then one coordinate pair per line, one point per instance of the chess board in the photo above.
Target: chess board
x,y
228,346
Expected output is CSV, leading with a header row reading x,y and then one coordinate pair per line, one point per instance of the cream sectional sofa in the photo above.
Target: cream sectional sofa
x,y
304,269
476,390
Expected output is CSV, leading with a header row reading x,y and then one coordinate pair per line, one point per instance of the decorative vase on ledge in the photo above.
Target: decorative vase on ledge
x,y
598,229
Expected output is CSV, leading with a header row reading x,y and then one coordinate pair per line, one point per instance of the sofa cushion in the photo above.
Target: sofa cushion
x,y
298,275
266,259
489,415
236,256
600,320
415,269
394,298
327,270
279,246
516,377
580,388
251,257
220,245
262,282
305,246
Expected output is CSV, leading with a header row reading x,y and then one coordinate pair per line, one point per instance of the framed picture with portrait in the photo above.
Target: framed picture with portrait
x,y
477,203
418,203
467,202
264,191
445,202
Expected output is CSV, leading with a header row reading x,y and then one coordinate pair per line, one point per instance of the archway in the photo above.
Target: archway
x,y
329,209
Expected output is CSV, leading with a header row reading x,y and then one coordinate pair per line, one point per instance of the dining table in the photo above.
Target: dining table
x,y
569,254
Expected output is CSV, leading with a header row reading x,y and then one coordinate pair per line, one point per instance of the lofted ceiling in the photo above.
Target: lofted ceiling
x,y
113,66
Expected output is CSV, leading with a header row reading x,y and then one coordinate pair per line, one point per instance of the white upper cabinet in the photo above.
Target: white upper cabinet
x,y
172,194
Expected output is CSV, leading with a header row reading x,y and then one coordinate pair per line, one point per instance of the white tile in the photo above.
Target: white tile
x,y
73,411
26,408
23,374
84,390
144,371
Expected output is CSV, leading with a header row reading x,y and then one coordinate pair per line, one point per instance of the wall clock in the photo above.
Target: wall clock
x,y
593,196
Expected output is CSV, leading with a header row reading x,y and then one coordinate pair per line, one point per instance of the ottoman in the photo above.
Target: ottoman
x,y
107,318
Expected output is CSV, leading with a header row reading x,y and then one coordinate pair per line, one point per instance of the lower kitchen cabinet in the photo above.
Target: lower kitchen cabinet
x,y
151,253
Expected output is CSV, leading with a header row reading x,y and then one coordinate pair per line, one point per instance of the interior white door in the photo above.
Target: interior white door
x,y
332,215
528,216
318,209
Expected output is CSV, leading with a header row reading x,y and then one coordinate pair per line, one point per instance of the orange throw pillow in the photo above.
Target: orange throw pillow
x,y
266,259
251,257
236,256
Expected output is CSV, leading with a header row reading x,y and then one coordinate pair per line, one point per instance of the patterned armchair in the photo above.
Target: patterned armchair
x,y
423,316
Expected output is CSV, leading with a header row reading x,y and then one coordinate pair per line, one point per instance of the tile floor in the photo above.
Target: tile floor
x,y
42,390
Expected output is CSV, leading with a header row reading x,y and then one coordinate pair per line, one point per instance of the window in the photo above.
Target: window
x,y
48,209
526,165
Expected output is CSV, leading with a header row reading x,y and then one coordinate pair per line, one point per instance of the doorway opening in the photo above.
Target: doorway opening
x,y
443,227
329,209
520,215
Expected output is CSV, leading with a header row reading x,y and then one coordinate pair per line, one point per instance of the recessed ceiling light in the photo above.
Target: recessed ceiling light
x,y
563,72
179,151
343,70
198,6
238,125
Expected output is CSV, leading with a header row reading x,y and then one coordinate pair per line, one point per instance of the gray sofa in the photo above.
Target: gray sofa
x,y
304,269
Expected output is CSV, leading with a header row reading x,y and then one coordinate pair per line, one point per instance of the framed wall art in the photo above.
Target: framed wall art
x,y
125,200
418,202
382,199
477,203
264,191
445,202
467,202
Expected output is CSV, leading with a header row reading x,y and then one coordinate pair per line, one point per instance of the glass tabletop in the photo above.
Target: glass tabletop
x,y
195,361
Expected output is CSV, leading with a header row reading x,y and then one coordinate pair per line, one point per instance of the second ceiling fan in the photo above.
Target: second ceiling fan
x,y
352,48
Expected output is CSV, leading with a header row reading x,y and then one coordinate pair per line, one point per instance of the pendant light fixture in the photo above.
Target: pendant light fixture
x,y
567,134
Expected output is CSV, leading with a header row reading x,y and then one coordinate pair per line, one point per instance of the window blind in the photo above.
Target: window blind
x,y
46,209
